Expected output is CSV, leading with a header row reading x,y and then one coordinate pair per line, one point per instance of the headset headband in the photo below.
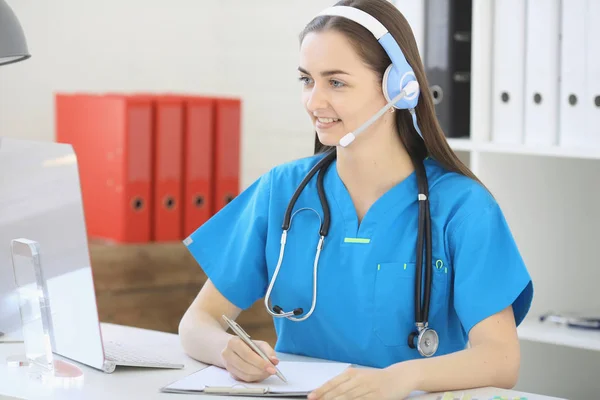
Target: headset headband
x,y
399,73
358,16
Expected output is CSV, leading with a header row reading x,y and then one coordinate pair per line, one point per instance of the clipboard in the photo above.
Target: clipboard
x,y
239,391
303,378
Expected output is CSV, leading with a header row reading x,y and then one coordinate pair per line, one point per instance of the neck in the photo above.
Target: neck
x,y
373,164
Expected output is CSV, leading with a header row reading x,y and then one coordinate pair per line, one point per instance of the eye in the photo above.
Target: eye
x,y
336,84
305,80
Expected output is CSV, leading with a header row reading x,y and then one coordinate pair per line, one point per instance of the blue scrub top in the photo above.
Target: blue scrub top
x,y
365,300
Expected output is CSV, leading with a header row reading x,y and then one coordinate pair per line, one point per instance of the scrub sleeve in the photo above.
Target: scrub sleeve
x,y
230,247
489,273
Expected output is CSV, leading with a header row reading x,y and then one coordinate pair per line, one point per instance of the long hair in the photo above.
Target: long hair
x,y
434,142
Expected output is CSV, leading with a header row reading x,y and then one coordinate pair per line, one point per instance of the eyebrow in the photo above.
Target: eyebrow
x,y
326,73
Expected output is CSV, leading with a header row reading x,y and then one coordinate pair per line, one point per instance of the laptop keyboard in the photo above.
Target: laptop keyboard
x,y
126,354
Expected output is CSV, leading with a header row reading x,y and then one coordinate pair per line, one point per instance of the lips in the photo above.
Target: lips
x,y
324,123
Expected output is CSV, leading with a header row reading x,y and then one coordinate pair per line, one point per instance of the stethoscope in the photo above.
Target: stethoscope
x,y
427,339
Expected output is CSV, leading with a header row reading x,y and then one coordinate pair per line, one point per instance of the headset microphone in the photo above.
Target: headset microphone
x,y
409,90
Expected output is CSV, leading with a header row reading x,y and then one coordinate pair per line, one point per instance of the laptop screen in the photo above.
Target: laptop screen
x,y
40,200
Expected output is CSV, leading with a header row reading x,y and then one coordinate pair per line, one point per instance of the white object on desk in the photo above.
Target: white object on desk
x,y
12,337
143,383
545,332
43,188
303,377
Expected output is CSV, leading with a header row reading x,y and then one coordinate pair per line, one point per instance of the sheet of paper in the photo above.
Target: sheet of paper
x,y
301,377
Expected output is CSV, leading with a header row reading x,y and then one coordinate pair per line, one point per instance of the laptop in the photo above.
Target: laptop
x,y
41,200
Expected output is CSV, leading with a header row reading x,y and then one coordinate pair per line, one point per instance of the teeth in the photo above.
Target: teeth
x,y
328,120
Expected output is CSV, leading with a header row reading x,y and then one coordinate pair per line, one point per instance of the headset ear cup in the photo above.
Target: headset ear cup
x,y
388,87
392,85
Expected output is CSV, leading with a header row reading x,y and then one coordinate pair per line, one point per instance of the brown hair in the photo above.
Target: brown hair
x,y
434,143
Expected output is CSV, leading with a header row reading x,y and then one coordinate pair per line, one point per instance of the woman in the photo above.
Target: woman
x,y
365,303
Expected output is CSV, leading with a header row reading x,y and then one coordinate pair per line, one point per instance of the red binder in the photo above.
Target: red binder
x,y
111,137
198,162
227,151
167,217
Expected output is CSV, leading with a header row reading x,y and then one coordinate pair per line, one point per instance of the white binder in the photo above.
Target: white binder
x,y
542,64
572,112
508,71
592,96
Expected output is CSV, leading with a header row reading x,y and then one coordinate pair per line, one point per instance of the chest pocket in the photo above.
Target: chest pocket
x,y
394,300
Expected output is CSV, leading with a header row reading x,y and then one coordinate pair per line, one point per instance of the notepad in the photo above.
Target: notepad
x,y
302,377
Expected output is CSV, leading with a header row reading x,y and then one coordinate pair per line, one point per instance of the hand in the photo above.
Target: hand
x,y
379,384
244,364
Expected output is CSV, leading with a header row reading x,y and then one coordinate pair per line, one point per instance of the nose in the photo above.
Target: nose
x,y
315,99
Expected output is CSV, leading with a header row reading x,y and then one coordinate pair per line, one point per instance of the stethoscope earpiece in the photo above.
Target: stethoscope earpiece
x,y
279,310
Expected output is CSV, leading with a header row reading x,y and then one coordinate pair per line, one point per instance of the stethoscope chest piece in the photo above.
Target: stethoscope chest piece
x,y
427,341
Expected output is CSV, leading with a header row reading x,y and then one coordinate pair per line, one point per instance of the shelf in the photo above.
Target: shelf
x,y
535,331
550,151
522,149
460,144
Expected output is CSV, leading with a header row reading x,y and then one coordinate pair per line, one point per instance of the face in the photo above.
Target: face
x,y
339,92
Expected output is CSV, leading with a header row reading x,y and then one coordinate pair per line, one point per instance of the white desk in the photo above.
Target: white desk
x,y
144,383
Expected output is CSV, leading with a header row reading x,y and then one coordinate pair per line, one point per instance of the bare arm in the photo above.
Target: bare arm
x,y
492,360
202,330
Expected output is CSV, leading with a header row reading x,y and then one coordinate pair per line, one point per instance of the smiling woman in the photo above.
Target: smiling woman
x,y
391,257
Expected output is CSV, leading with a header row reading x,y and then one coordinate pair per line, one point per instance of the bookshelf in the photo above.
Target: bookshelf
x,y
467,145
535,331
550,196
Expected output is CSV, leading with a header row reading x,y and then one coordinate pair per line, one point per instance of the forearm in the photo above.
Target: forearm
x,y
490,364
202,337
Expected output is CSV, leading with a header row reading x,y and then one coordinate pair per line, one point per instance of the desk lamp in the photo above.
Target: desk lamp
x,y
13,45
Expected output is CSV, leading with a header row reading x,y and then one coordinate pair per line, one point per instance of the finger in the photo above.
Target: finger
x,y
361,392
247,375
231,358
240,375
247,367
342,391
248,355
356,392
329,386
268,350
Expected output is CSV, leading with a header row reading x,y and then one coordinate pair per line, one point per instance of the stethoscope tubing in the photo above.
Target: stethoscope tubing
x,y
422,303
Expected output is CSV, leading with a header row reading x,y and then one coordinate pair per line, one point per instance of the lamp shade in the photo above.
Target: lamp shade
x,y
13,46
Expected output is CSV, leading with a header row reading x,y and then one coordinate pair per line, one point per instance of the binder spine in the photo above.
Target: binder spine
x,y
138,150
572,124
198,162
592,96
508,72
447,60
542,65
227,152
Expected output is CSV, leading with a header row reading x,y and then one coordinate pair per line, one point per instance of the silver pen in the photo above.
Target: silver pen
x,y
237,329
